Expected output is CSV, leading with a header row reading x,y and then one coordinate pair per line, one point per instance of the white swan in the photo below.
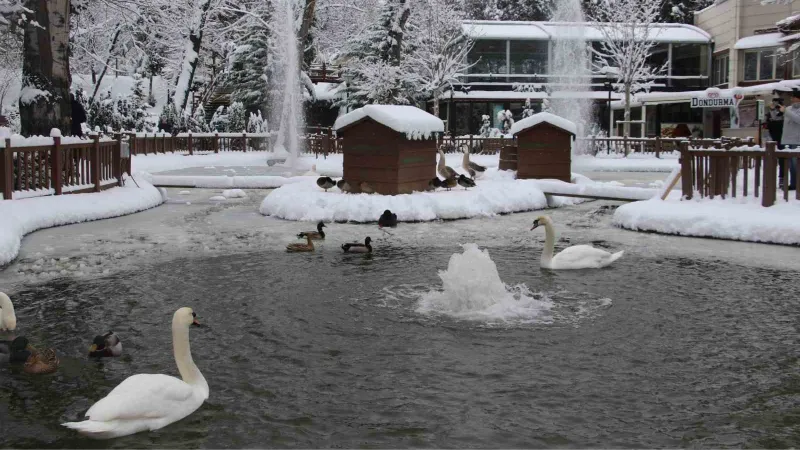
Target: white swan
x,y
147,402
8,320
575,257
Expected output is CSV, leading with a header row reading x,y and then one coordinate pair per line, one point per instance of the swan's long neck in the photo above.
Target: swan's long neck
x,y
465,161
549,243
183,357
441,160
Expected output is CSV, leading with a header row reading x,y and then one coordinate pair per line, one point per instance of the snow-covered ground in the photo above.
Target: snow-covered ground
x,y
618,163
25,216
742,219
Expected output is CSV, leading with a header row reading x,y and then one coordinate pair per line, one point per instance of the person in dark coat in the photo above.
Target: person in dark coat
x,y
78,116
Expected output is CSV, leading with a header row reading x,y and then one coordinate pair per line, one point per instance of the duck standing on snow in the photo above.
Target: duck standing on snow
x,y
465,182
325,183
445,171
148,402
575,257
297,248
314,235
469,166
8,320
357,247
106,345
366,188
450,183
434,183
343,186
387,219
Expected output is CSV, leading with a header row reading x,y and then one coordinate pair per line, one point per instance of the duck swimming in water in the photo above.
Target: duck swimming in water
x,y
357,247
315,235
106,345
387,219
16,351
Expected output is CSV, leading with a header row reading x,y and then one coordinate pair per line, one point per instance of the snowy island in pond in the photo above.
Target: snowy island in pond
x,y
409,120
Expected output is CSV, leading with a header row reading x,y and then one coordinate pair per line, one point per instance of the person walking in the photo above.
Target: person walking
x,y
791,135
78,116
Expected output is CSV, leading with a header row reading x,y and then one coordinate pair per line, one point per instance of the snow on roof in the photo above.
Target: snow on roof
x,y
686,96
759,41
514,95
536,119
326,92
788,22
790,38
414,122
487,29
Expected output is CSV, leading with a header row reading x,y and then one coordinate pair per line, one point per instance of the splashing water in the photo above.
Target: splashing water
x,y
473,290
286,83
570,53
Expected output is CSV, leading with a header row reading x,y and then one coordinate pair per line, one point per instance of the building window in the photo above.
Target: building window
x,y
489,57
759,65
528,57
721,70
690,60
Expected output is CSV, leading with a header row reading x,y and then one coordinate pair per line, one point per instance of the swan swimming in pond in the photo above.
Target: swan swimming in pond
x,y
575,257
8,320
147,402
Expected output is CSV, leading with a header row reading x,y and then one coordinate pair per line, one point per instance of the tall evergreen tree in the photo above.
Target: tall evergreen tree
x,y
248,74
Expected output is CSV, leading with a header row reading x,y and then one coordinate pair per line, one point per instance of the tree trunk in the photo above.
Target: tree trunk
x,y
192,57
626,125
436,103
150,94
305,28
397,33
44,100
108,61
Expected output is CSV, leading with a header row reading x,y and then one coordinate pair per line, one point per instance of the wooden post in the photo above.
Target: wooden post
x,y
244,142
770,176
686,171
216,142
189,143
659,146
56,170
7,171
116,159
470,143
326,143
95,171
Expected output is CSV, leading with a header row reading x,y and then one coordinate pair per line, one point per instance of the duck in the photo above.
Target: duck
x,y
8,320
469,166
575,257
357,247
148,402
343,186
450,183
16,351
465,182
106,345
387,219
445,171
434,183
325,183
315,235
296,248
41,362
366,188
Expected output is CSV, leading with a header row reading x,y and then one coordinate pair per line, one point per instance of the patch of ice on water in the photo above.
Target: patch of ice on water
x,y
234,193
217,198
184,193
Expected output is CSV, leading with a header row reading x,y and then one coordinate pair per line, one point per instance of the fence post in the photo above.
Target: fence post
x,y
326,143
7,171
189,143
244,142
659,146
770,176
95,155
116,159
216,142
686,171
56,169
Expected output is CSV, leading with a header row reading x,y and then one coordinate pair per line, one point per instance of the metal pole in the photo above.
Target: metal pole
x,y
610,120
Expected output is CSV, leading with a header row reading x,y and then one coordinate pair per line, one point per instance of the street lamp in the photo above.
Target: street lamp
x,y
611,75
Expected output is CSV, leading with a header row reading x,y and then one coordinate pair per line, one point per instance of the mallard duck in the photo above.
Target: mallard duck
x,y
16,351
307,247
343,186
465,182
445,171
149,402
357,247
106,345
325,183
8,320
435,183
469,166
41,362
387,219
366,188
450,183
314,235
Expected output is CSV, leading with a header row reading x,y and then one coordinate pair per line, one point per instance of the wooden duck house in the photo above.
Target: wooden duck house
x,y
389,149
544,147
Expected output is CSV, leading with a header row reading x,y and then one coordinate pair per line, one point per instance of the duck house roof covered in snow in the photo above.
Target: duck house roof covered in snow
x,y
544,146
388,149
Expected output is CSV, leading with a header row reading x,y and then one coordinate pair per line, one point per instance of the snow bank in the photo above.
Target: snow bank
x,y
609,190
735,219
500,194
544,117
25,216
173,161
224,182
617,163
412,121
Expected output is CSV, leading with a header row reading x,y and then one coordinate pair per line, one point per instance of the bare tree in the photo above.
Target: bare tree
x,y
628,31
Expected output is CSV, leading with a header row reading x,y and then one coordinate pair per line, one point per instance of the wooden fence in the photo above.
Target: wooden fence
x,y
476,145
655,146
74,167
730,171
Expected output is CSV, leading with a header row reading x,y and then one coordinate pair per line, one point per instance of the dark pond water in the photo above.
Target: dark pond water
x,y
328,350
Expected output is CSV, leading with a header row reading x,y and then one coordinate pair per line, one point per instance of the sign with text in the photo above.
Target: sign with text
x,y
714,101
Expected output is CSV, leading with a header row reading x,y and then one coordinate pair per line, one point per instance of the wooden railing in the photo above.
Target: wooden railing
x,y
476,145
76,167
730,171
655,146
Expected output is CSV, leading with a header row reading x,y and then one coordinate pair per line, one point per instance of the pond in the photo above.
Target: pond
x,y
332,350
